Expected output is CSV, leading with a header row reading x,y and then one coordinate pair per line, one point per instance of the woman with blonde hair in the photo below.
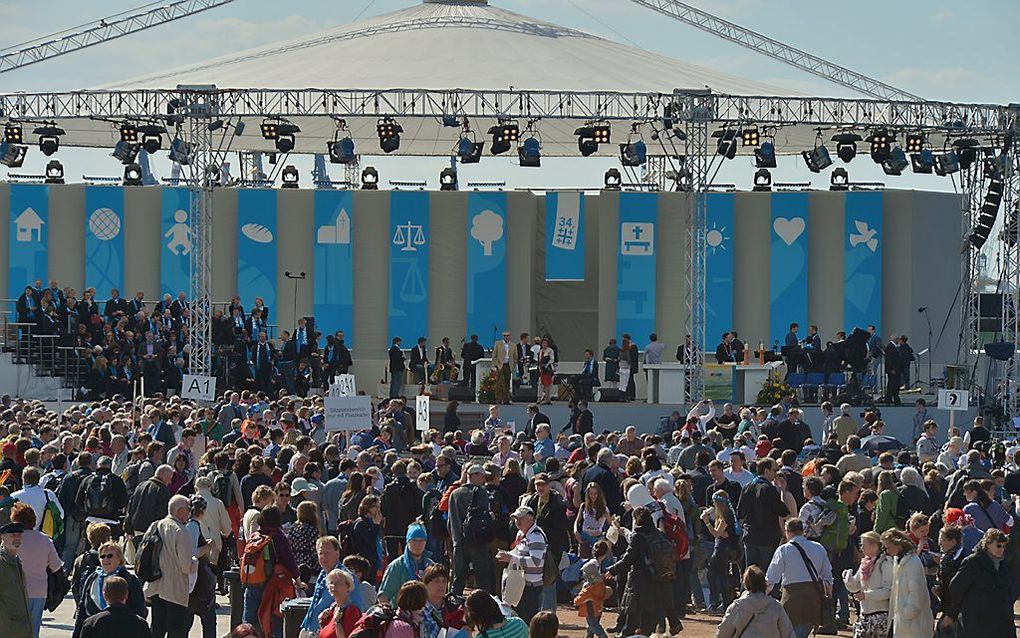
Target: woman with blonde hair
x,y
909,605
871,586
111,563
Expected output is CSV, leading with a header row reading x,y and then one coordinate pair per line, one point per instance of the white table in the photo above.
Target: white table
x,y
748,380
666,382
483,368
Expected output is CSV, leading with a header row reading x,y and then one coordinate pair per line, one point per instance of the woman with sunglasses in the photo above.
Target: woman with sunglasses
x,y
111,563
980,598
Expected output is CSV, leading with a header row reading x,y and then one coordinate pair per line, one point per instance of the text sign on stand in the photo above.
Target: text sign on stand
x,y
344,386
348,413
954,399
198,387
421,410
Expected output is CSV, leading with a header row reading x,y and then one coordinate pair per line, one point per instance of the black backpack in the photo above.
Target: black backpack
x,y
147,557
478,527
661,555
98,494
221,489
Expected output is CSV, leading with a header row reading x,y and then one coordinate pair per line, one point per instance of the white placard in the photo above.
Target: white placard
x,y
954,399
348,413
198,387
344,386
421,411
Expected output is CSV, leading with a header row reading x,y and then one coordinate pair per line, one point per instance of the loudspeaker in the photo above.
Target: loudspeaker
x,y
611,395
462,393
525,394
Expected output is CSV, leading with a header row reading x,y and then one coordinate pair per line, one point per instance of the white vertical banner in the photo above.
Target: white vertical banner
x,y
344,386
421,410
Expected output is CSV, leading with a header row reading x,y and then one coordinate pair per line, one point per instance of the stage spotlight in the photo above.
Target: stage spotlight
x,y
369,179
966,151
341,151
586,143
181,151
12,155
765,155
727,144
817,159
389,134
49,138
762,181
846,146
469,151
881,143
215,125
750,136
54,172
601,133
947,164
451,121
530,152
993,166
504,135
923,162
448,179
152,137
126,152
285,138
896,162
290,176
13,133
128,132
268,130
634,153
839,180
613,180
132,175
915,143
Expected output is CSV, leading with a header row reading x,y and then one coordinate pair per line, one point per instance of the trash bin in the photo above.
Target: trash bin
x,y
294,611
235,594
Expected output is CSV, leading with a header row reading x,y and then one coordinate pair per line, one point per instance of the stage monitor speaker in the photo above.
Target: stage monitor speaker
x,y
525,394
611,395
462,393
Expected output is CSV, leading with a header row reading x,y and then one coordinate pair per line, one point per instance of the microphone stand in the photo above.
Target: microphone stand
x,y
927,319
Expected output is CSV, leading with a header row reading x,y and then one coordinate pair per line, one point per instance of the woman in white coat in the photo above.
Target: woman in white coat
x,y
909,606
871,586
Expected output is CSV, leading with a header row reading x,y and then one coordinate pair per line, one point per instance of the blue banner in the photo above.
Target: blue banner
x,y
333,276
788,263
719,266
256,246
409,265
29,236
175,249
862,262
635,290
564,236
486,264
104,240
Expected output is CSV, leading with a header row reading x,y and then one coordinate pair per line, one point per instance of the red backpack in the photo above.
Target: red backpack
x,y
675,529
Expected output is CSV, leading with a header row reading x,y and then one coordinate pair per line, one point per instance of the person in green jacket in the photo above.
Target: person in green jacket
x,y
888,501
409,567
13,595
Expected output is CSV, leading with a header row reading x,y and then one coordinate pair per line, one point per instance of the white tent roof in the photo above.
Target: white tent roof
x,y
445,44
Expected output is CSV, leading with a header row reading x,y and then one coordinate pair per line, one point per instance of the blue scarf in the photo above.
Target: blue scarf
x,y
414,568
101,576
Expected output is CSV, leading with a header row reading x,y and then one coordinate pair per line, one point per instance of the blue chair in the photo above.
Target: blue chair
x,y
870,382
835,382
813,382
795,380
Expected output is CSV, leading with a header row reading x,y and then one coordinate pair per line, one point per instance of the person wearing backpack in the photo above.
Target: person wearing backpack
x,y
43,501
170,592
102,497
471,531
803,568
268,571
835,538
148,503
74,519
648,593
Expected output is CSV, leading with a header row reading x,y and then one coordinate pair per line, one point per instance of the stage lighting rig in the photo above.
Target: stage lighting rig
x,y
126,152
448,179
947,163
152,137
846,146
504,134
896,162
923,161
881,143
750,136
765,155
468,150
590,136
181,151
613,180
285,138
13,133
818,158
12,155
839,180
269,129
289,176
128,132
727,144
54,172
915,143
49,138
762,181
388,131
132,175
966,151
634,153
369,179
530,152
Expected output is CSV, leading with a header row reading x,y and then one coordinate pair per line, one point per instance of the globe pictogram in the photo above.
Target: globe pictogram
x,y
104,224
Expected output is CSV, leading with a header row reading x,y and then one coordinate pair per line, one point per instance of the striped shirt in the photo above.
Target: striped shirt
x,y
528,553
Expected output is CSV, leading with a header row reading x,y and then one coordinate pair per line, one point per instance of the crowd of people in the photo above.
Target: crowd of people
x,y
757,524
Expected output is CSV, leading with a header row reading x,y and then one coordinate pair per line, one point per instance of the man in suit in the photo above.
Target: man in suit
x,y
874,349
588,378
59,299
178,305
344,361
523,349
535,418
444,357
471,351
791,348
396,368
137,304
28,306
302,339
585,421
504,356
737,346
262,353
724,351
420,361
116,307
893,370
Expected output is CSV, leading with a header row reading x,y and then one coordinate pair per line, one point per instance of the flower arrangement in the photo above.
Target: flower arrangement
x,y
772,391
487,389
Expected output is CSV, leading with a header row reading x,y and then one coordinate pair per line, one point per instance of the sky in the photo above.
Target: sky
x,y
934,48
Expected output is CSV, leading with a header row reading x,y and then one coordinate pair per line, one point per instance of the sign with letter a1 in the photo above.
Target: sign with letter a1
x,y
954,399
421,410
198,387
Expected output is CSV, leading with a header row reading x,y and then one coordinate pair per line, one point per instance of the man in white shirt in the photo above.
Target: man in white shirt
x,y
736,472
803,568
703,419
36,496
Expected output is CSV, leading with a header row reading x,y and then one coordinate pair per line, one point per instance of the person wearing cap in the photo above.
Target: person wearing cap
x,y
551,516
410,566
13,594
528,552
467,555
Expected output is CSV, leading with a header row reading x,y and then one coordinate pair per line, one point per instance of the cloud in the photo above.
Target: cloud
x,y
944,15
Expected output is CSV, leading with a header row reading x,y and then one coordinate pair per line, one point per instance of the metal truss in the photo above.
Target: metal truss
x,y
1010,289
104,30
970,190
777,50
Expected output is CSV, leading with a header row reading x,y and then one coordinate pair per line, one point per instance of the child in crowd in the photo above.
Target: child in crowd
x,y
591,598
359,566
